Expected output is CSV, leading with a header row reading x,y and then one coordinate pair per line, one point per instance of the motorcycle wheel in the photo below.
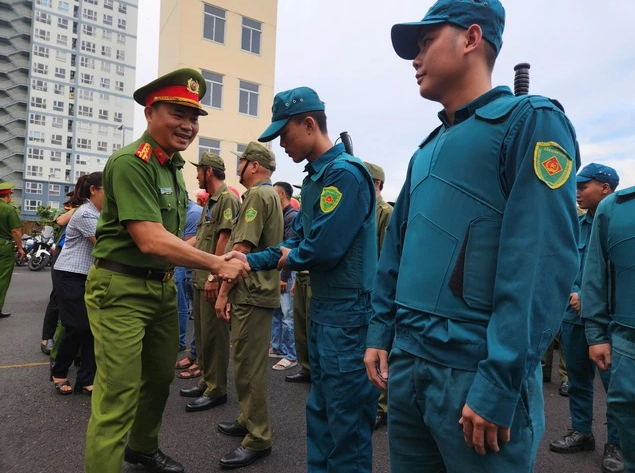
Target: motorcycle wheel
x,y
38,262
19,261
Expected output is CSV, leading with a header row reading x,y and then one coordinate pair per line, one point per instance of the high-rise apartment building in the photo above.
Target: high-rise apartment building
x,y
67,74
233,44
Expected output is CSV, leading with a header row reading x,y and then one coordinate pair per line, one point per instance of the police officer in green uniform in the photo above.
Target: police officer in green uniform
x,y
607,303
470,276
259,225
130,294
211,334
383,211
10,232
335,240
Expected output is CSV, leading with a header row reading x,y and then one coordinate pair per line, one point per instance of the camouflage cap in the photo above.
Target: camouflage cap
x,y
181,87
376,172
210,159
259,153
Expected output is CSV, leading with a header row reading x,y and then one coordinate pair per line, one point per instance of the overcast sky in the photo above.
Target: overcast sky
x,y
581,53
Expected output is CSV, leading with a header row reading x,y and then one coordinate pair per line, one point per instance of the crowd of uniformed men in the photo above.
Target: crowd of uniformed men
x,y
483,256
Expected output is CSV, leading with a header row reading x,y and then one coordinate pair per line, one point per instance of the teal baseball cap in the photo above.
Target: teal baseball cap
x,y
488,14
287,104
600,173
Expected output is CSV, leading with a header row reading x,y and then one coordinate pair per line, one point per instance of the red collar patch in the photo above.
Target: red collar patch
x,y
144,152
160,155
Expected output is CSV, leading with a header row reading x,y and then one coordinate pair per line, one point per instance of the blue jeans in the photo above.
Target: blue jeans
x,y
184,296
282,338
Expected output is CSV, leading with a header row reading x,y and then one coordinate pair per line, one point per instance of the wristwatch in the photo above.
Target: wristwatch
x,y
211,278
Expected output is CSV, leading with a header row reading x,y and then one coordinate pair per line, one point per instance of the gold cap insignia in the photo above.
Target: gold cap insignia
x,y
192,86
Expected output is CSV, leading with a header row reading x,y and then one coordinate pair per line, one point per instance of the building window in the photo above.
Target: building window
x,y
56,140
252,31
83,126
60,73
57,122
34,171
62,23
102,130
37,119
58,106
105,82
121,24
44,3
82,143
106,51
92,2
43,17
116,146
56,156
103,114
39,68
248,101
104,97
42,34
88,30
90,14
86,95
31,205
122,8
240,149
214,24
33,187
118,117
105,66
37,84
214,94
108,4
121,39
85,111
86,78
35,153
107,19
37,136
207,144
88,46
41,51
60,56
58,89
102,146
62,6
119,70
87,62
54,189
121,55
38,102
119,86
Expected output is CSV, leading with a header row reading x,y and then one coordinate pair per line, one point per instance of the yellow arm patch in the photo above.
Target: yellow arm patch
x,y
552,164
329,199
227,214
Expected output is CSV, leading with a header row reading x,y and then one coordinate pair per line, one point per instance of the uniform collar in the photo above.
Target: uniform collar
x,y
381,201
222,189
466,111
264,182
326,158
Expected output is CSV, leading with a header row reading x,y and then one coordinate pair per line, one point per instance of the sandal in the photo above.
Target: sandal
x,y
185,363
284,364
63,392
83,390
190,373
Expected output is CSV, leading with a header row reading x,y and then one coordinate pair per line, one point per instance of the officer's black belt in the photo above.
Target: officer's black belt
x,y
134,271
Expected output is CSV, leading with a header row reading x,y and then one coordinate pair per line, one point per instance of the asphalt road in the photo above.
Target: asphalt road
x,y
42,432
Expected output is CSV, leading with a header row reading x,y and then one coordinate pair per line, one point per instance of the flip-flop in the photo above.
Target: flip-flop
x,y
190,373
60,385
185,363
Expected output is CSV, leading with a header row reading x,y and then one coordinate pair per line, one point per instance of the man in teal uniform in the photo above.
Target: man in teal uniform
x,y
608,306
10,232
595,182
470,276
335,240
130,294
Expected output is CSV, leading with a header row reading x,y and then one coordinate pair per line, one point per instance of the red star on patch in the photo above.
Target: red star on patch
x,y
552,165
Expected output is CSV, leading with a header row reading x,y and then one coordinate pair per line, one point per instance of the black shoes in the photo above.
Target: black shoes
x,y
242,457
612,460
574,441
563,390
192,392
233,429
47,347
4,315
157,463
204,403
380,419
298,378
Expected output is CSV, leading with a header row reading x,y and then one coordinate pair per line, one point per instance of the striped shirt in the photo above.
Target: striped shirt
x,y
76,255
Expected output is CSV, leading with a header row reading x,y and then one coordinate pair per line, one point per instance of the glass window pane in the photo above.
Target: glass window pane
x,y
217,95
219,34
255,42
243,106
246,40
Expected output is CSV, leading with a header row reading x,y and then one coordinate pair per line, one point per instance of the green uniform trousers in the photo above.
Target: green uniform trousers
x,y
547,362
212,346
302,320
7,263
136,329
251,334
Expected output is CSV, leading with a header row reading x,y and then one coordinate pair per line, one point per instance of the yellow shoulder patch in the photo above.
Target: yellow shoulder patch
x,y
144,152
330,198
552,164
227,214
250,214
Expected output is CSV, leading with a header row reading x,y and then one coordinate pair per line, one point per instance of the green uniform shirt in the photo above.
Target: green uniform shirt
x,y
383,213
139,186
260,222
9,220
218,214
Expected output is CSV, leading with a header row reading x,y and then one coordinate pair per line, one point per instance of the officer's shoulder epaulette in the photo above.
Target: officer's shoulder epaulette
x,y
625,195
224,192
144,152
385,206
539,101
430,136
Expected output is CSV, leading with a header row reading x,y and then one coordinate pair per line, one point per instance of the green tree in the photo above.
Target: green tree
x,y
46,214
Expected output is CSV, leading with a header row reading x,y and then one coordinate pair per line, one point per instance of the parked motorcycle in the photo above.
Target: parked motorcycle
x,y
39,256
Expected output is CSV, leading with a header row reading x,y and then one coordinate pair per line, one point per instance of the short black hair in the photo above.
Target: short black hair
x,y
286,187
218,173
318,115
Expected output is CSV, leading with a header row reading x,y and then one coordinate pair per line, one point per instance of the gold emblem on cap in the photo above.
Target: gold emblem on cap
x,y
192,86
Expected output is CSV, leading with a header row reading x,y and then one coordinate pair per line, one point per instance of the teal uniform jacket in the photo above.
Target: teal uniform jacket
x,y
334,233
481,250
586,222
608,284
